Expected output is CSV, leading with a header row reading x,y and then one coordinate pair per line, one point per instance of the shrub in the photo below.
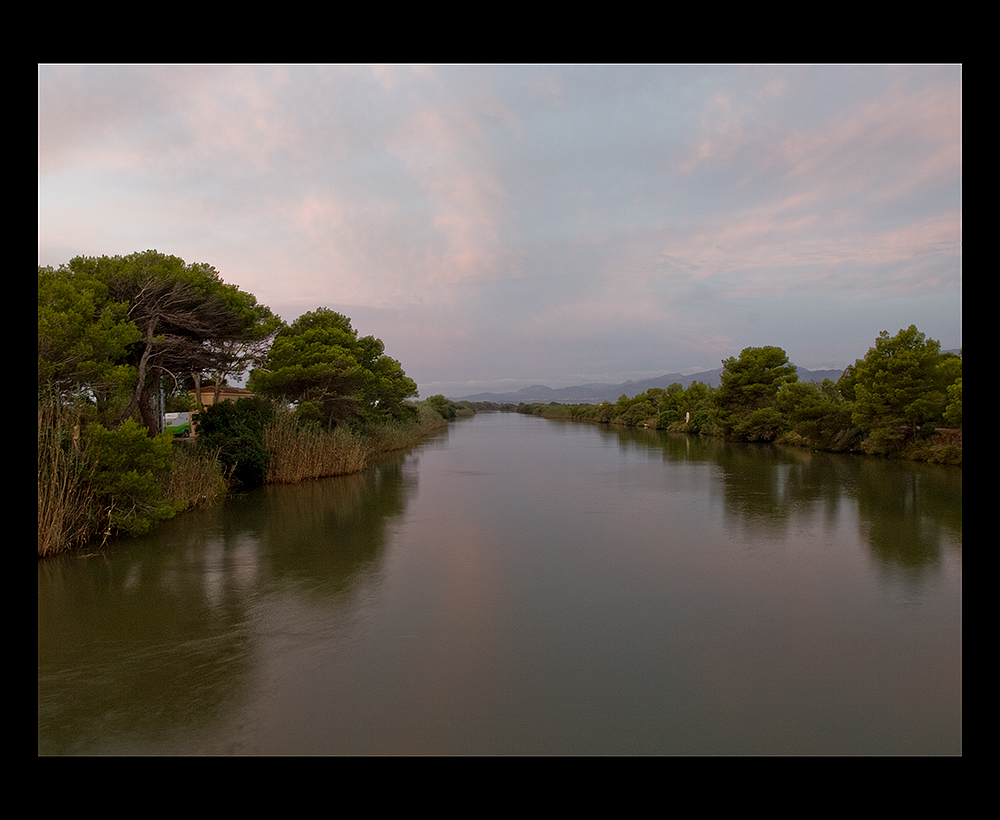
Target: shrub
x,y
126,470
235,432
763,424
446,408
668,417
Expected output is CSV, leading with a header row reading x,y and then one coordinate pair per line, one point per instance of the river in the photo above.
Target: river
x,y
521,586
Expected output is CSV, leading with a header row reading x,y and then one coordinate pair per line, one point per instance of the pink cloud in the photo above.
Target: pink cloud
x,y
439,147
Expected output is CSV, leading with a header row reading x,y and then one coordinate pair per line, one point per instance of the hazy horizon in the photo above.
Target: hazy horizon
x,y
501,225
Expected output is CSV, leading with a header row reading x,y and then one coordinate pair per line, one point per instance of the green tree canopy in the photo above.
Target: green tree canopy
x,y
84,337
444,407
320,359
900,384
817,412
117,326
953,410
746,396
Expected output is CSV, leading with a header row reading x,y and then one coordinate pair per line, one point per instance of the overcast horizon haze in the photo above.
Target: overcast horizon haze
x,y
499,226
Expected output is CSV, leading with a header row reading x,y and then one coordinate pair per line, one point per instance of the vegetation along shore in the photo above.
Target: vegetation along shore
x,y
902,400
123,340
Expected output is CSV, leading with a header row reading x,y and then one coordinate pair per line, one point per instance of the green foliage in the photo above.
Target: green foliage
x,y
761,399
898,386
320,359
114,331
84,337
953,410
818,414
114,328
445,408
307,414
127,468
750,384
847,383
603,413
762,424
700,421
635,411
235,430
691,410
698,404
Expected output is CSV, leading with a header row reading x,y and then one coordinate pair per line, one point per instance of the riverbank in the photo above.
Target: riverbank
x,y
86,498
937,446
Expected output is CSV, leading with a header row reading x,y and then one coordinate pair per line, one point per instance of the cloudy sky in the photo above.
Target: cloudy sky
x,y
503,225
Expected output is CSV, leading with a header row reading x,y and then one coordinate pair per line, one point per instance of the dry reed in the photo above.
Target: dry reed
x,y
299,453
196,478
67,510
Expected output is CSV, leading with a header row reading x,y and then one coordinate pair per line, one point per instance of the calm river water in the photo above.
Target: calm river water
x,y
525,586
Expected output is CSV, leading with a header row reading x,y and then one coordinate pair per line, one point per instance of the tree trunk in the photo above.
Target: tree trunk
x,y
136,401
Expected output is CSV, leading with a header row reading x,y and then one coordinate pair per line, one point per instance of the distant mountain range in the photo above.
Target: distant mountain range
x,y
595,393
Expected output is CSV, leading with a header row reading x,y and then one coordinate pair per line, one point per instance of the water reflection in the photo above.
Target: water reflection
x,y
328,535
180,610
908,511
526,586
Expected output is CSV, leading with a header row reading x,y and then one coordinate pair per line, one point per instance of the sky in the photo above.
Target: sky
x,y
505,225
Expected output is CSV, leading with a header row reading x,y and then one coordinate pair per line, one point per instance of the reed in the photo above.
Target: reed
x,y
196,478
68,513
400,435
299,453
944,446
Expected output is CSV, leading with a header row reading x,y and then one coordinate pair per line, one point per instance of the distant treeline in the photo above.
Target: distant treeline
x,y
903,399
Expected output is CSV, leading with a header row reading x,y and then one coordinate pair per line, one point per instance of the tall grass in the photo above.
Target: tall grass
x,y
68,515
399,435
299,453
71,514
196,478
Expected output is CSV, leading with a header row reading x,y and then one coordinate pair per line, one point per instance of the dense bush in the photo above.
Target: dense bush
x,y
127,469
235,431
818,414
445,408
